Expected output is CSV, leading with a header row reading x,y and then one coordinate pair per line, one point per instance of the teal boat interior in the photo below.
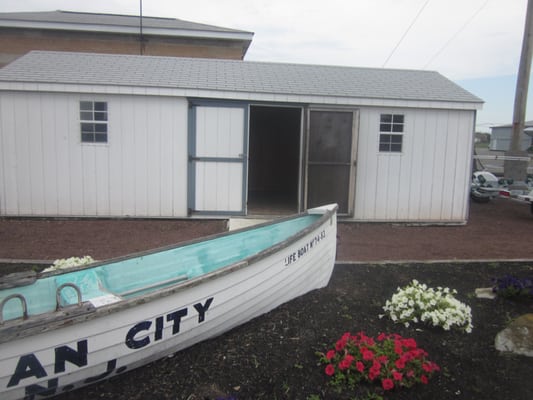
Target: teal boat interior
x,y
138,275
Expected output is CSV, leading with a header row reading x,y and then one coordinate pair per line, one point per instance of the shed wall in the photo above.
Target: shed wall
x,y
427,181
46,170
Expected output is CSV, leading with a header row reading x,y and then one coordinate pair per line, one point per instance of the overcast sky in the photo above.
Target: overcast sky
x,y
476,43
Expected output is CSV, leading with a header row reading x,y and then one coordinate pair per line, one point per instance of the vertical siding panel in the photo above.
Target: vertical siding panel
x,y
116,147
465,126
102,180
63,131
78,185
9,195
179,155
88,172
392,179
428,149
417,187
165,159
141,158
450,166
34,154
439,164
22,144
382,190
50,156
128,178
153,150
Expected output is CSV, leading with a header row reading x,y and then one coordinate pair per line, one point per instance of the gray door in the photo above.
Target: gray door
x,y
331,159
217,158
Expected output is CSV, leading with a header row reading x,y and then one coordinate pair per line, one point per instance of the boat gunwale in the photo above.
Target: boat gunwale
x,y
67,316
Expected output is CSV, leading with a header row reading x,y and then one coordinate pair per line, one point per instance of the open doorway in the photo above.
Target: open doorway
x,y
274,160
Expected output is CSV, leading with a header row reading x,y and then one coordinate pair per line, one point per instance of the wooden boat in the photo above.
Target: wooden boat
x,y
63,330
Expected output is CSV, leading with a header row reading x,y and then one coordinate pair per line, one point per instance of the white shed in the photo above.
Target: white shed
x,y
120,135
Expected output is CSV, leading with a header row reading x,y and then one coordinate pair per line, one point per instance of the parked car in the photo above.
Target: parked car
x,y
485,186
522,195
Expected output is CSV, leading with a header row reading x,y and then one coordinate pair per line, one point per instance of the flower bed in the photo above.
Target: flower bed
x,y
390,360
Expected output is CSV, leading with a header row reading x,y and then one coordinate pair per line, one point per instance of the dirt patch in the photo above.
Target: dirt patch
x,y
498,230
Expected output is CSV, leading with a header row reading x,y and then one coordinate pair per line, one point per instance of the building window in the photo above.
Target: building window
x,y
391,133
93,120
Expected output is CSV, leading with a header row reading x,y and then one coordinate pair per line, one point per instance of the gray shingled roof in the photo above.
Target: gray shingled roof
x,y
233,76
81,18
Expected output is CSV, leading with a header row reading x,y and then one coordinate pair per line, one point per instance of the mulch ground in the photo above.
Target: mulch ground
x,y
274,356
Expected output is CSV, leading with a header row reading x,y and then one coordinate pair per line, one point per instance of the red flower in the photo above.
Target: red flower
x,y
424,379
397,375
400,363
427,367
383,359
341,343
387,384
359,366
373,374
346,362
330,370
367,354
330,354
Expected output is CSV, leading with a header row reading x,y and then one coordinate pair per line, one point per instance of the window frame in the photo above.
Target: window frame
x,y
391,133
94,122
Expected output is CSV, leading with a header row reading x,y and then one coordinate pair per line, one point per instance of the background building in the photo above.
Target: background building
x,y
500,137
120,135
22,32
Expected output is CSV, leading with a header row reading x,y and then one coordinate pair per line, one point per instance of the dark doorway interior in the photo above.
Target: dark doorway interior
x,y
274,160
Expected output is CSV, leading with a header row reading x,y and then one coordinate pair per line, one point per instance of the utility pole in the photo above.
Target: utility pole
x,y
517,169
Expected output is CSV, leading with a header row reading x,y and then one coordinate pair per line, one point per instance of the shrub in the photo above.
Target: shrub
x,y
390,360
513,287
437,307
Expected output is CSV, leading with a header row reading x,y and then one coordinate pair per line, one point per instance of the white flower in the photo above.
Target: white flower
x,y
416,302
63,263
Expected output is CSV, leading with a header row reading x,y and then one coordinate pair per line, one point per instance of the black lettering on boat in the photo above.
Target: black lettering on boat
x,y
65,353
131,342
159,328
202,309
27,366
111,365
134,342
31,390
176,317
305,249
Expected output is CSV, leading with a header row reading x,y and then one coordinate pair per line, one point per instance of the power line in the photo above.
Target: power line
x,y
462,28
405,33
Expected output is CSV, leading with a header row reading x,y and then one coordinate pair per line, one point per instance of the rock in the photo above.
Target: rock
x,y
517,338
485,293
